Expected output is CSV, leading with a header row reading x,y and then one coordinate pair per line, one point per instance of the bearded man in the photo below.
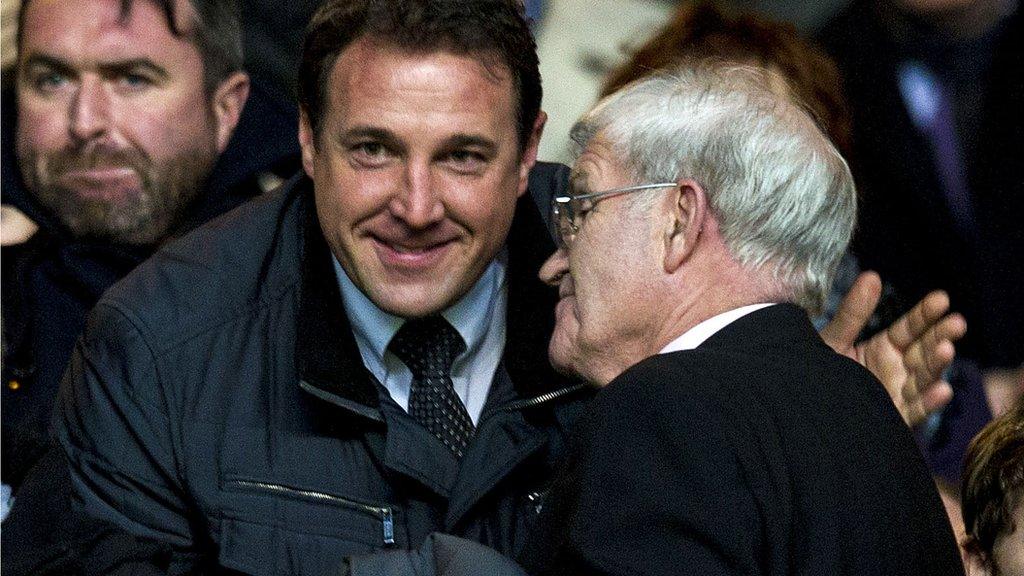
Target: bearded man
x,y
122,131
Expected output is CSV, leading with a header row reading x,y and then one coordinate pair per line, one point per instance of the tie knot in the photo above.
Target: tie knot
x,y
428,346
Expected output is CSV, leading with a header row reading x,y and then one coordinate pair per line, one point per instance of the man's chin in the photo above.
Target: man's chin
x,y
562,354
413,300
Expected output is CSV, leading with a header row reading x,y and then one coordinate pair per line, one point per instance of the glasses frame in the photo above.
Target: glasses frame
x,y
567,214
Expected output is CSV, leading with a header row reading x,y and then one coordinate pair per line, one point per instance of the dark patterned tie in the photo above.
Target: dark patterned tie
x,y
428,346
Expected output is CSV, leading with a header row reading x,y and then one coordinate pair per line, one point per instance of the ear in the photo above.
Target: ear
x,y
684,223
307,142
529,156
228,102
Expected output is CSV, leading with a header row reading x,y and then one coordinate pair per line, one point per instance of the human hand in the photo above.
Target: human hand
x,y
909,356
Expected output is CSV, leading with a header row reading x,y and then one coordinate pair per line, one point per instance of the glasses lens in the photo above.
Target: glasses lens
x,y
562,220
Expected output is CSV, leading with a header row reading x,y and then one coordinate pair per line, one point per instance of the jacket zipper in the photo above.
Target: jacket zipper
x,y
384,512
537,400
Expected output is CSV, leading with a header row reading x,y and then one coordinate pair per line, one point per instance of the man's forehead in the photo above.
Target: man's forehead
x,y
107,28
385,53
435,82
598,159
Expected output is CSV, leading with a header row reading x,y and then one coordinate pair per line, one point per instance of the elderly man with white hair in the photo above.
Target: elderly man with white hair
x,y
707,215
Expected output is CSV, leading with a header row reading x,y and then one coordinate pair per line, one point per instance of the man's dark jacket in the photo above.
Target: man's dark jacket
x,y
759,452
217,403
52,281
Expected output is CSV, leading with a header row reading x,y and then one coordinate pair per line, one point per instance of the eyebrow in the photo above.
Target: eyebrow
x,y
112,68
577,179
384,136
387,137
472,141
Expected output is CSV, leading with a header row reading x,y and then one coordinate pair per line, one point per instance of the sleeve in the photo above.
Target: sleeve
x,y
113,425
654,485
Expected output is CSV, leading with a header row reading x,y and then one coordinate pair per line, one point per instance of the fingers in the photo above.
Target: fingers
x,y
854,312
919,319
915,407
936,396
932,353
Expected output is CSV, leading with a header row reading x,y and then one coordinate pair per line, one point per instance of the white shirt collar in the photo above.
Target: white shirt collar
x,y
698,334
374,328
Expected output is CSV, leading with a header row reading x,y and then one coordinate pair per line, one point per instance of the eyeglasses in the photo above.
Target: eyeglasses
x,y
568,212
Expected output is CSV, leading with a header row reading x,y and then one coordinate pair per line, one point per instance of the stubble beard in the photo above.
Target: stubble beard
x,y
140,216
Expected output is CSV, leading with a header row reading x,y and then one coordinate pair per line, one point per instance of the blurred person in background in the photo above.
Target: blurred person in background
x,y
129,123
993,497
126,128
936,88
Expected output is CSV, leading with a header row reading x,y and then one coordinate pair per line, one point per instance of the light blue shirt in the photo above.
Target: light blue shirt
x,y
479,317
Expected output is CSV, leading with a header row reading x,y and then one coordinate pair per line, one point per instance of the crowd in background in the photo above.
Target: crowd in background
x,y
925,100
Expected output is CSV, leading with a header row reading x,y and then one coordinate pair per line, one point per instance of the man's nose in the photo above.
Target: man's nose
x,y
555,268
90,113
418,203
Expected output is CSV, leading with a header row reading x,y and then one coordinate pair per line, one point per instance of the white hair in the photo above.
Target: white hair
x,y
783,196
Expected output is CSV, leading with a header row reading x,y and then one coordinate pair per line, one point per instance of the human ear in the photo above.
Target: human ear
x,y
684,223
307,143
228,101
529,155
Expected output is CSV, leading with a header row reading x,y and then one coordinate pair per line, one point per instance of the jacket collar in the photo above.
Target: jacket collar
x,y
780,326
326,353
328,359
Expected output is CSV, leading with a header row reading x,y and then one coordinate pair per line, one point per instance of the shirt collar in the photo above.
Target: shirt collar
x,y
470,316
696,336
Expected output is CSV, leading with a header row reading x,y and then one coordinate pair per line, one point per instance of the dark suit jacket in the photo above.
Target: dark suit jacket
x,y
760,452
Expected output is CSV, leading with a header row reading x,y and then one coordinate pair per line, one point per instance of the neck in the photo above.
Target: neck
x,y
695,293
705,289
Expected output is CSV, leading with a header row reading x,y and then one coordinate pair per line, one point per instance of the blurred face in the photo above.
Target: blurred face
x,y
115,132
1008,549
417,171
602,322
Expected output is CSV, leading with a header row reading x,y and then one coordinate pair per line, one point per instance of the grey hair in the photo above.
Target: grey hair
x,y
782,194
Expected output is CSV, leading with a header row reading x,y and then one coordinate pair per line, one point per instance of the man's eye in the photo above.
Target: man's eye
x,y
370,148
49,81
134,81
578,189
372,154
467,161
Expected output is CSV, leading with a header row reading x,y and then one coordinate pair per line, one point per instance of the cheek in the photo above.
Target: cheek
x,y
1008,551
41,128
563,347
484,207
165,132
344,199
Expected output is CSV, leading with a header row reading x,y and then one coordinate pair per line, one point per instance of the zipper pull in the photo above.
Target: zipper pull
x,y
389,527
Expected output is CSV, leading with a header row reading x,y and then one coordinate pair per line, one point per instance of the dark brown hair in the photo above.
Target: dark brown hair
x,y
492,30
993,482
704,30
217,34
